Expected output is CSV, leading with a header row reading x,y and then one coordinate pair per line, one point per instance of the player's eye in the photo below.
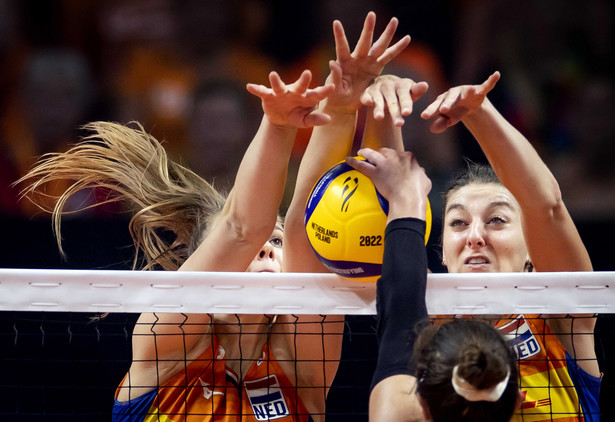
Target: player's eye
x,y
456,222
276,241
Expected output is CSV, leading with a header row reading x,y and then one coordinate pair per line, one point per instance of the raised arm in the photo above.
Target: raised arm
x,y
401,289
351,73
242,227
519,167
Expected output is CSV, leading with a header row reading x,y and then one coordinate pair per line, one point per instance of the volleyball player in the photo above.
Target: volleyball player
x,y
197,364
513,219
231,367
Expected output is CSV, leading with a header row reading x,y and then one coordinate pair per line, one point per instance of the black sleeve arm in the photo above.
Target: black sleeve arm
x,y
400,296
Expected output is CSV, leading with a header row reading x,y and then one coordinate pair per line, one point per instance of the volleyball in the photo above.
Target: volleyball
x,y
345,218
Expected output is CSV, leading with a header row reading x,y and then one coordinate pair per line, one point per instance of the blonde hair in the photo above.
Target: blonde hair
x,y
172,206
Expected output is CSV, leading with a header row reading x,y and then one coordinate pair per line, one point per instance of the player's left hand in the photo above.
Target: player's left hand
x,y
456,103
293,105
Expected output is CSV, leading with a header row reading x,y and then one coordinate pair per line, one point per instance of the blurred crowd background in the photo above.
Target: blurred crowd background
x,y
180,69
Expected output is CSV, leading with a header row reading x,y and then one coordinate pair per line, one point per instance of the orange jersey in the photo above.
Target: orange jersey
x,y
209,391
554,388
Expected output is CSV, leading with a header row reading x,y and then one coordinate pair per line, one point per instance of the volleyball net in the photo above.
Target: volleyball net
x,y
68,338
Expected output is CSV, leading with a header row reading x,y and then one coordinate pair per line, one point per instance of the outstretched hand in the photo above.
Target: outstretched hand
x,y
398,177
354,71
458,102
393,94
292,105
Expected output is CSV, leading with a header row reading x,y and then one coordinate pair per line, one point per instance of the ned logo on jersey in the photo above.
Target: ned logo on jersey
x,y
520,337
266,398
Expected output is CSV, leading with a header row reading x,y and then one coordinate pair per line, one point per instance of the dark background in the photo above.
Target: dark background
x,y
180,69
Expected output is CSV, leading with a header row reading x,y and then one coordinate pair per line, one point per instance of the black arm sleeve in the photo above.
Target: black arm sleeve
x,y
400,296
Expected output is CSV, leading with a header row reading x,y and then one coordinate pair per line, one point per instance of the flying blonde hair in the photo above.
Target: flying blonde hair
x,y
172,206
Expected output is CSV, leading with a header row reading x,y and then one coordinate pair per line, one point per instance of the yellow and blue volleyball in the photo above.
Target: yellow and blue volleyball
x,y
345,218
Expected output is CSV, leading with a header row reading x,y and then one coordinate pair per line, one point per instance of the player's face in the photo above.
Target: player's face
x,y
269,258
482,231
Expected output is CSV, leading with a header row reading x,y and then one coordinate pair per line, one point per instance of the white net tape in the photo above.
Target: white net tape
x,y
294,293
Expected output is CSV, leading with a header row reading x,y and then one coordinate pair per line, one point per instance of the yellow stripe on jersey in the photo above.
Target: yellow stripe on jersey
x,y
156,416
